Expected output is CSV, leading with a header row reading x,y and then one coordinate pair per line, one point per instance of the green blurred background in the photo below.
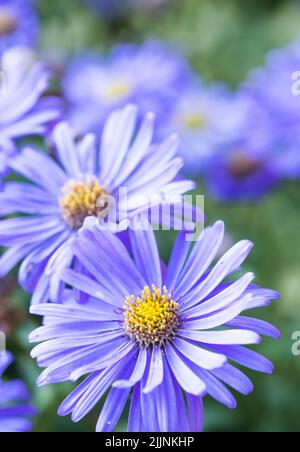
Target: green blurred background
x,y
222,40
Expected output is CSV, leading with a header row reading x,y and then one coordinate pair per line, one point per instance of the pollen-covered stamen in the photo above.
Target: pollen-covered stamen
x,y
80,200
8,23
152,318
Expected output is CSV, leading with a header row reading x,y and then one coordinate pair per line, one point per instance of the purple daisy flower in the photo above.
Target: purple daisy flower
x,y
23,111
275,88
245,166
149,76
261,146
167,340
19,24
206,118
15,409
60,195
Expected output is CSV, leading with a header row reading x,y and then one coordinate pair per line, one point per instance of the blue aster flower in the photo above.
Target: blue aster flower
x,y
206,118
276,90
148,75
60,195
245,167
23,109
245,145
167,340
18,24
15,409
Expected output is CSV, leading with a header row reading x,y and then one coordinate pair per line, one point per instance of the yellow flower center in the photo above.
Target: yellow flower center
x,y
8,23
195,121
80,200
152,318
117,90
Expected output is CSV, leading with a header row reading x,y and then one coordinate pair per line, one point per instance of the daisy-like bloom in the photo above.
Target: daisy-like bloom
x,y
148,75
247,165
23,109
60,195
15,408
276,88
18,24
168,340
206,118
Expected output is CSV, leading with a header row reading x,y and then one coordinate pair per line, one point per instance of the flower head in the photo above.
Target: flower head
x,y
246,164
275,87
149,76
167,340
60,194
23,110
15,409
206,118
18,24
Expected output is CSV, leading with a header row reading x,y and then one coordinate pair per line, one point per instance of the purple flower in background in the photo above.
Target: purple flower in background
x,y
149,76
206,118
23,110
60,195
244,145
276,89
15,409
18,24
167,340
246,165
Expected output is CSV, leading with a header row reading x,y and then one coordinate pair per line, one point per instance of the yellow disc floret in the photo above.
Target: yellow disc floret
x,y
117,90
152,318
195,121
79,200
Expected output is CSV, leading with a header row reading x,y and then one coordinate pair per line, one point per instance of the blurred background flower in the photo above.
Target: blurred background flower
x,y
206,118
274,88
149,75
19,25
15,409
25,110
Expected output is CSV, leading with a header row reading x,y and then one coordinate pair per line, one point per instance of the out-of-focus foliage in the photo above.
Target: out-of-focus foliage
x,y
223,40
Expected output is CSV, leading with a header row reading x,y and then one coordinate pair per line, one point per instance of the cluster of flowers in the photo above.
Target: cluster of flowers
x,y
163,337
242,144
